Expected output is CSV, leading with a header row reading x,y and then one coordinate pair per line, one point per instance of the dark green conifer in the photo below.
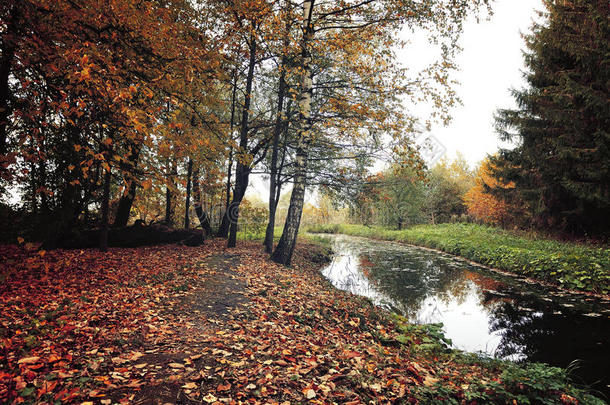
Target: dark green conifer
x,y
561,128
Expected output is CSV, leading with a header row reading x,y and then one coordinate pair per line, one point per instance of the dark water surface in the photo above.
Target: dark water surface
x,y
481,311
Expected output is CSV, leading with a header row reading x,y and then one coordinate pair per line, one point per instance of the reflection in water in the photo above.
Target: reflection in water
x,y
481,311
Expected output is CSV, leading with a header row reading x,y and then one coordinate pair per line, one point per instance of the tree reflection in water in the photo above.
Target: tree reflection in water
x,y
543,332
481,311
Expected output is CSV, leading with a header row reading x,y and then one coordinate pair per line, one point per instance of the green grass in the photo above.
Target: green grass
x,y
277,233
259,235
570,265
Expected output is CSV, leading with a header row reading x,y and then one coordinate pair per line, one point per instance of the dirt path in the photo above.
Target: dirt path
x,y
209,304
217,295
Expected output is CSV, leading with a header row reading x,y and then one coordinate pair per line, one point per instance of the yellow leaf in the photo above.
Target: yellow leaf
x,y
85,74
135,355
20,240
210,398
28,360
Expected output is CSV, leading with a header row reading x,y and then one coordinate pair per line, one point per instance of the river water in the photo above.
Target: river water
x,y
482,311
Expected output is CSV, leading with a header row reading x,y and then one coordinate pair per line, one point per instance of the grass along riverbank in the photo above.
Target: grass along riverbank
x,y
569,265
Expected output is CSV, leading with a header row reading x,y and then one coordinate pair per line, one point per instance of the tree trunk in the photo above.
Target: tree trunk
x,y
242,176
105,208
273,180
223,228
285,247
9,46
269,234
64,218
230,166
202,216
126,201
228,185
187,204
44,201
242,172
168,205
169,195
268,243
279,121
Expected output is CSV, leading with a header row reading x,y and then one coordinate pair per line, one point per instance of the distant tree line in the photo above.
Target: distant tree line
x,y
556,176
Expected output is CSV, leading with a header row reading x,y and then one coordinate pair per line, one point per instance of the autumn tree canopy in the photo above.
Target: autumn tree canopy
x,y
486,207
114,111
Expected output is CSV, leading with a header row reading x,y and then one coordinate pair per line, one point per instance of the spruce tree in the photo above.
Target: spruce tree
x,y
561,162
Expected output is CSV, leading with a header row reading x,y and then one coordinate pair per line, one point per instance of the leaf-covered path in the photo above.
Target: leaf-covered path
x,y
176,324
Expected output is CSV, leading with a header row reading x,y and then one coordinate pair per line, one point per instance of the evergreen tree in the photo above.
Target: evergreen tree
x,y
561,164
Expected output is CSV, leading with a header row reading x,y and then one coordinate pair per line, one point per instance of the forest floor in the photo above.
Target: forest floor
x,y
176,324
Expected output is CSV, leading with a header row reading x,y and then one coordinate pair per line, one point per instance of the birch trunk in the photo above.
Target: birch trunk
x,y
285,248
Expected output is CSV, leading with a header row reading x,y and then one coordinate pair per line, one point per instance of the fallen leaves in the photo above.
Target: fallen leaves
x,y
68,317
117,324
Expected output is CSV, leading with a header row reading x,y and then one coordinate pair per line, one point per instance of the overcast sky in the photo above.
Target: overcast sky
x,y
490,64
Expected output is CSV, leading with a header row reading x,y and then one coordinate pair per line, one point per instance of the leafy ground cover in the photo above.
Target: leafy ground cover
x,y
176,324
571,265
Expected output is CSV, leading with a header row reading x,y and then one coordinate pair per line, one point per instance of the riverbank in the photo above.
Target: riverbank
x,y
569,265
205,324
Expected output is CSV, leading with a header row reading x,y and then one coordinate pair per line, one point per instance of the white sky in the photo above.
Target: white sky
x,y
490,65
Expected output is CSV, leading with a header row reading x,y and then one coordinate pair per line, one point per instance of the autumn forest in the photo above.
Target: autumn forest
x,y
181,179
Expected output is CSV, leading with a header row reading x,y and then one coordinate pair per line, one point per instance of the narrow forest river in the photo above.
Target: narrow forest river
x,y
481,311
